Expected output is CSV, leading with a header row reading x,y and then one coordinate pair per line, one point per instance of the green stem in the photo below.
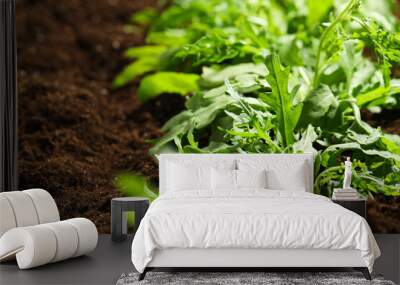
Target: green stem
x,y
330,169
362,24
266,138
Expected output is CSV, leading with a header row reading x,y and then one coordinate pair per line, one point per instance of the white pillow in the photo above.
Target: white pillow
x,y
282,174
251,178
223,179
227,179
290,180
181,177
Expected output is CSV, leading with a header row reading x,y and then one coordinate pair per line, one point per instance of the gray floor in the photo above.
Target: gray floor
x,y
103,266
111,259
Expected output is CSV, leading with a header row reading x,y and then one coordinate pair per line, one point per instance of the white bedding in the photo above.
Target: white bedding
x,y
255,218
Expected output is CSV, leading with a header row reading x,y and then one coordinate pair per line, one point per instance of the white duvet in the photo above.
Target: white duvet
x,y
250,219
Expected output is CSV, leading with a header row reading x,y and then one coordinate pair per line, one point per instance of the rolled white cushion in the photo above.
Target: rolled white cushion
x,y
45,205
23,208
37,245
66,238
87,234
33,246
7,218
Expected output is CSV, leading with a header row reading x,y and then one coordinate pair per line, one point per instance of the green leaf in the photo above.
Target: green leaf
x,y
213,147
170,136
368,97
245,83
167,82
381,12
317,105
188,120
135,69
362,179
183,116
281,101
317,11
391,143
359,125
363,139
212,77
170,37
366,77
135,185
214,47
330,43
144,17
290,50
205,115
305,144
144,51
331,153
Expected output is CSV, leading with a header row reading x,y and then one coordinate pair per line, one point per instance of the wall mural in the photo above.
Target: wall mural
x,y
106,85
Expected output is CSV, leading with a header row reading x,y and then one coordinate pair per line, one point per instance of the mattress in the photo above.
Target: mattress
x,y
250,219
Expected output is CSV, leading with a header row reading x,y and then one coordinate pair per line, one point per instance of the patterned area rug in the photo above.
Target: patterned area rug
x,y
243,278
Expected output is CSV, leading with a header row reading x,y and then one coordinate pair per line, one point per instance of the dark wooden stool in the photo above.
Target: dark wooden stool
x,y
119,207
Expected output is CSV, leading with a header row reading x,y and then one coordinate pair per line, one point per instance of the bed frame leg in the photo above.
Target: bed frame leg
x,y
143,274
364,271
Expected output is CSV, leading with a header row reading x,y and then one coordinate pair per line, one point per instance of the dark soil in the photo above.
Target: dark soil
x,y
388,120
75,133
384,214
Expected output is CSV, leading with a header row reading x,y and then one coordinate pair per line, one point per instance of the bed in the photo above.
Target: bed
x,y
246,211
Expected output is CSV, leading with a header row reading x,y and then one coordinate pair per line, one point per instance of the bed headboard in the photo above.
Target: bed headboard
x,y
213,159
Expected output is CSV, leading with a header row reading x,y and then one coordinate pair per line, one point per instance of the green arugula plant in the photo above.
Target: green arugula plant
x,y
277,77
